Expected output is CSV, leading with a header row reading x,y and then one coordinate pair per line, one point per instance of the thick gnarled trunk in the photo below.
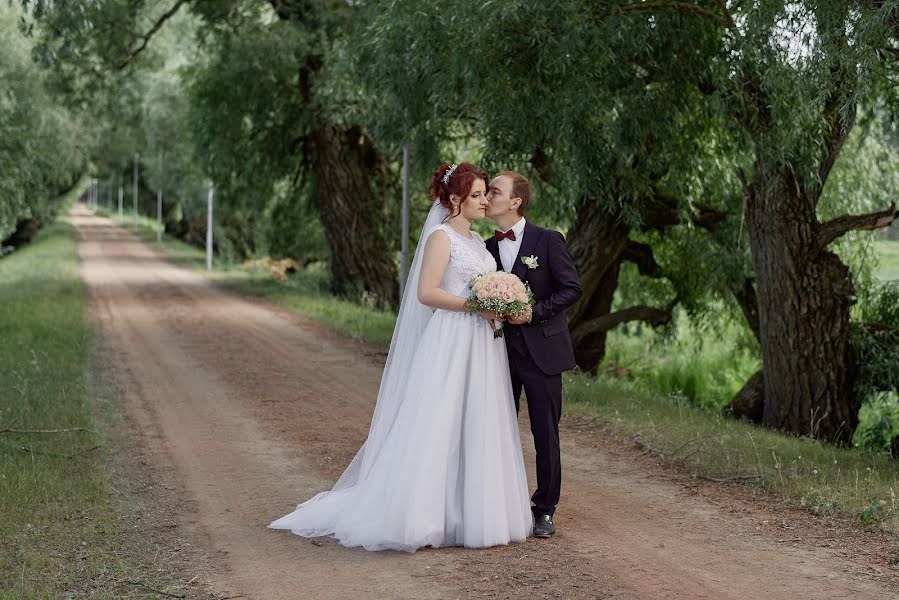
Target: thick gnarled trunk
x,y
597,242
342,164
804,295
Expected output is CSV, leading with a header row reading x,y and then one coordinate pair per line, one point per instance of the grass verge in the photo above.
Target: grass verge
x,y
305,292
823,479
60,520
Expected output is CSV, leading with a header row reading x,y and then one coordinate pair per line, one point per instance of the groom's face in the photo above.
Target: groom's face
x,y
499,196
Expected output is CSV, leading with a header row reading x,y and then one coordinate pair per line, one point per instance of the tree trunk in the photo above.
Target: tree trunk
x,y
25,231
804,295
597,242
342,162
344,165
749,402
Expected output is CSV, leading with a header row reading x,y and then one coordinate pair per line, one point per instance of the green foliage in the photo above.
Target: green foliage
x,y
863,180
704,361
41,155
878,427
169,162
213,96
599,99
245,116
875,338
294,229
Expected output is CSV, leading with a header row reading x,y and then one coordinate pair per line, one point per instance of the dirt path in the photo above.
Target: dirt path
x,y
249,410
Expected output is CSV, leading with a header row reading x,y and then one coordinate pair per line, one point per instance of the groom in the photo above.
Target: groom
x,y
538,344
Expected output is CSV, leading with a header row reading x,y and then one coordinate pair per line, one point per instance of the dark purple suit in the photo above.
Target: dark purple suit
x,y
541,350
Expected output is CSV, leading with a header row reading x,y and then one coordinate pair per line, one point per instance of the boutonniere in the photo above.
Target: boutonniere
x,y
530,261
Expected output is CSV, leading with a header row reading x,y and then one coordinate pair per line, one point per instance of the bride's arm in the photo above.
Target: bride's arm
x,y
433,264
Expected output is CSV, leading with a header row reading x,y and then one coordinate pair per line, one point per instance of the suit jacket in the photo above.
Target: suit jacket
x,y
556,286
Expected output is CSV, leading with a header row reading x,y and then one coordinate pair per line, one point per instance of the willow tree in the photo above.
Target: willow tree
x,y
41,149
794,77
643,115
605,114
330,152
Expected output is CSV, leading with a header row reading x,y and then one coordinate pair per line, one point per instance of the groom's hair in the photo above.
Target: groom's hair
x,y
520,189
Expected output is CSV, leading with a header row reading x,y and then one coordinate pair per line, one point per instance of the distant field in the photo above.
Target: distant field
x,y
888,259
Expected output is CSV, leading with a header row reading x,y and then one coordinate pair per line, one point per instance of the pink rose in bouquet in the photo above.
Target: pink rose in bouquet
x,y
499,292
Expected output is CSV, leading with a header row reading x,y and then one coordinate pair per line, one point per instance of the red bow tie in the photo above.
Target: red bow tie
x,y
499,235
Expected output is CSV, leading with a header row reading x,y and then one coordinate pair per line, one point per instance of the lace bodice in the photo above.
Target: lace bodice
x,y
468,258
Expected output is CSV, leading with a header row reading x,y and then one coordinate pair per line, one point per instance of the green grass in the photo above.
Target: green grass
x,y
821,478
887,258
707,366
59,520
305,292
668,395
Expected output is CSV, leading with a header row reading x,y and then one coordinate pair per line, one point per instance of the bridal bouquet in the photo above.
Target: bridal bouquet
x,y
499,292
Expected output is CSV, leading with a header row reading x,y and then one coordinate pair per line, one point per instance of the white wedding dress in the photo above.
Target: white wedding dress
x,y
442,465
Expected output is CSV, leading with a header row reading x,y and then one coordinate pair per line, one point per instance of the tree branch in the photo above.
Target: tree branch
x,y
838,130
708,216
749,304
286,10
660,211
642,256
728,17
147,36
678,6
648,314
8,430
839,110
831,230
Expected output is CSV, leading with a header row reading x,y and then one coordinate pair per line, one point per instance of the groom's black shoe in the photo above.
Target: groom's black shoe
x,y
543,526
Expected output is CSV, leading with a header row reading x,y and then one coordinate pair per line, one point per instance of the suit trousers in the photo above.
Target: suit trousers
x,y
544,395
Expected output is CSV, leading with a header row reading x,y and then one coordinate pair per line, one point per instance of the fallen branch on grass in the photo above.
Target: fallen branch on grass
x,y
671,457
154,589
726,479
688,442
8,430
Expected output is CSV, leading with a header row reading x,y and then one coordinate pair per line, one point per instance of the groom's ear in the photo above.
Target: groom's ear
x,y
516,202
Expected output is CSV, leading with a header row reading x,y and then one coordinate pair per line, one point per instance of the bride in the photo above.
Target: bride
x,y
442,465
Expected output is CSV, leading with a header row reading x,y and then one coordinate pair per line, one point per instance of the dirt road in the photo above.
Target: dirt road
x,y
249,410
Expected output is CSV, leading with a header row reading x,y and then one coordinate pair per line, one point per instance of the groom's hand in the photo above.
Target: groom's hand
x,y
522,317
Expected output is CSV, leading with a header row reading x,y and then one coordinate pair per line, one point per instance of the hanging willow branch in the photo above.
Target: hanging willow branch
x,y
145,38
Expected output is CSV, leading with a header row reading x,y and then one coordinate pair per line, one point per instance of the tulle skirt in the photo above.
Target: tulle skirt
x,y
450,472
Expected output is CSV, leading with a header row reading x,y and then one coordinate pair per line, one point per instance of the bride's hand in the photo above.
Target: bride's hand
x,y
491,318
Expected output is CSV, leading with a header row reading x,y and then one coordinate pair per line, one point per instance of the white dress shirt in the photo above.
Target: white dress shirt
x,y
508,250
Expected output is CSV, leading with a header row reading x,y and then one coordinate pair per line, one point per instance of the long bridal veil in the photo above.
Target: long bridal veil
x,y
411,321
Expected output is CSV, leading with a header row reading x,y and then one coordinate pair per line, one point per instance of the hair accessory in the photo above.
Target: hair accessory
x,y
448,174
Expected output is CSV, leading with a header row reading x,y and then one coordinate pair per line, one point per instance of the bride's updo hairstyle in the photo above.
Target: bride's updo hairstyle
x,y
459,183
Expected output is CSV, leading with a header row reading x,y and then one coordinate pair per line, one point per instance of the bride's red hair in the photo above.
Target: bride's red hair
x,y
459,183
